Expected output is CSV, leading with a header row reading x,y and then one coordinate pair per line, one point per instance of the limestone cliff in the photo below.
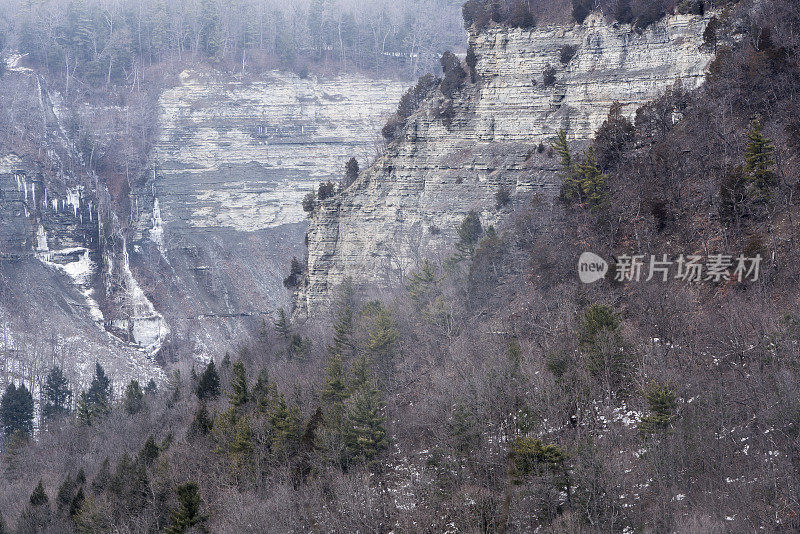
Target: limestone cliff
x,y
196,259
407,205
220,217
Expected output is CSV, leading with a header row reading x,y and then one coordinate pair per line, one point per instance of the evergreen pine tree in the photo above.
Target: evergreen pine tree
x,y
261,387
422,286
84,410
134,398
593,182
35,517
469,233
334,392
149,452
351,173
99,393
285,423
464,429
202,424
360,373
282,325
188,515
129,486
333,396
561,146
759,158
210,30
234,437
383,338
239,394
208,387
39,497
16,411
102,478
570,187
662,402
151,388
56,395
343,342
76,505
174,386
365,430
66,491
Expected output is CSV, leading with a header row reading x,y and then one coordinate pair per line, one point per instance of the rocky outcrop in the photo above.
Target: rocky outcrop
x,y
220,218
199,260
456,154
241,154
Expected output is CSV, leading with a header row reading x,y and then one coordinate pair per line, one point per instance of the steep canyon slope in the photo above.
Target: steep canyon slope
x,y
196,258
455,154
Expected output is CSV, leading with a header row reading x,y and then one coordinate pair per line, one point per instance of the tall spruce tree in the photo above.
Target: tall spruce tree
x,y
56,395
759,157
334,392
84,410
239,394
208,387
333,396
39,496
210,29
343,324
469,233
282,325
99,393
383,339
16,411
102,479
570,187
149,452
360,374
593,182
663,405
36,516
134,398
202,424
286,427
188,515
365,430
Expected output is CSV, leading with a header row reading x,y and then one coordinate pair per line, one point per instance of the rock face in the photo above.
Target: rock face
x,y
406,207
221,217
241,155
51,280
201,257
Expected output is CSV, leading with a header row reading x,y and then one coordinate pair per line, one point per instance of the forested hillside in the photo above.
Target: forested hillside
x,y
492,391
102,42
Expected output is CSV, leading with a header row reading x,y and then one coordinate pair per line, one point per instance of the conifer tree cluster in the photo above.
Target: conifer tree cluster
x,y
584,182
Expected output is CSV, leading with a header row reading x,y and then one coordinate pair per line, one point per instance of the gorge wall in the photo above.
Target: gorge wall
x,y
221,216
199,261
407,206
56,271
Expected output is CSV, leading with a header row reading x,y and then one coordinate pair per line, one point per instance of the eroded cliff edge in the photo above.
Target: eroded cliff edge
x,y
408,204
